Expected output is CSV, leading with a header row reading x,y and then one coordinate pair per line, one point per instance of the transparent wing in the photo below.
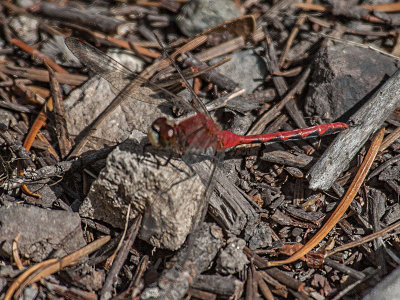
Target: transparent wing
x,y
198,104
116,74
100,63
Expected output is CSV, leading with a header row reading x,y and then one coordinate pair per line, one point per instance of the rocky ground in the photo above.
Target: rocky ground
x,y
90,209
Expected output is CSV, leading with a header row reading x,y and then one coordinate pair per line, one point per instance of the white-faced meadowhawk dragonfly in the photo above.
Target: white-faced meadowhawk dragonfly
x,y
197,132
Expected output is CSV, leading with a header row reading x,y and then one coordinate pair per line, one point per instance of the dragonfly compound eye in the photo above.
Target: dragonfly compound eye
x,y
162,133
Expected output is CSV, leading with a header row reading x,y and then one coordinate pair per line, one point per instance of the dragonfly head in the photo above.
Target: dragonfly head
x,y
162,134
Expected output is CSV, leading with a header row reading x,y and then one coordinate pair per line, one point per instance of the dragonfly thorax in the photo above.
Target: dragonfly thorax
x,y
162,134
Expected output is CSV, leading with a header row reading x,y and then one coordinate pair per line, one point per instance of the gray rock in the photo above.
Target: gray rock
x,y
168,196
30,293
24,3
48,194
26,28
137,112
246,68
42,231
388,289
343,75
9,271
232,259
85,103
258,235
198,15
7,118
127,59
3,284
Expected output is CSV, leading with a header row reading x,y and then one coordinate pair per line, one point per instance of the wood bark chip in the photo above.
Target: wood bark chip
x,y
41,75
263,287
243,26
345,269
58,115
59,169
75,15
106,291
300,21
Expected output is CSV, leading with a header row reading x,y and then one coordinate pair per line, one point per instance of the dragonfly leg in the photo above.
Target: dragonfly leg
x,y
146,147
167,161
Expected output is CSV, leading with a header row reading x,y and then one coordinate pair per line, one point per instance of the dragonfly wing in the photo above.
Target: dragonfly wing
x,y
100,63
116,74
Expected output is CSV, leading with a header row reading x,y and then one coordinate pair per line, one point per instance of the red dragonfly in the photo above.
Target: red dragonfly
x,y
198,132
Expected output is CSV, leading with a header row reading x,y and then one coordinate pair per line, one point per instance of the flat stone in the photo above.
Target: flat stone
x,y
126,59
198,15
48,194
387,289
246,68
85,103
344,75
24,3
42,231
